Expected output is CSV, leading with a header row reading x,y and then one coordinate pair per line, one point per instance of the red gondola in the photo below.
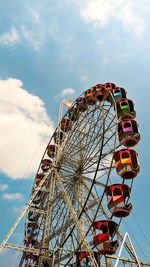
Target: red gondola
x,y
117,94
118,196
128,133
104,232
81,104
82,259
90,98
34,226
73,114
58,137
99,92
32,229
46,164
30,261
66,125
126,163
109,86
31,243
51,151
125,109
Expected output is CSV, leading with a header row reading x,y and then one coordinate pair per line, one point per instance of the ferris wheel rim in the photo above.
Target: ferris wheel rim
x,y
95,171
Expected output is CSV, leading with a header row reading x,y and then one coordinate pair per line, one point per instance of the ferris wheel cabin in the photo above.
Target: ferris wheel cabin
x,y
118,94
104,233
82,259
39,177
89,97
73,114
46,164
126,163
31,243
66,125
128,133
51,150
30,261
32,215
58,137
99,92
32,229
118,197
108,87
81,104
125,109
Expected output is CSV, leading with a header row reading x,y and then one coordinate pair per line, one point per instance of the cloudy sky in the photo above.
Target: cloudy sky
x,y
54,50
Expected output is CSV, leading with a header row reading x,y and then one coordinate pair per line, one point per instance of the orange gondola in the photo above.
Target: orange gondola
x,y
89,97
126,163
108,87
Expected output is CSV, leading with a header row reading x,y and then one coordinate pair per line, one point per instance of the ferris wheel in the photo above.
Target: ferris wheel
x,y
87,168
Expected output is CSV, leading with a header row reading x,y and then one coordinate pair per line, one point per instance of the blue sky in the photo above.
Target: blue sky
x,y
52,50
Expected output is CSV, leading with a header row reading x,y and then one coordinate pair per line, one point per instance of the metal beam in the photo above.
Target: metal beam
x,y
77,223
127,260
47,222
22,248
24,210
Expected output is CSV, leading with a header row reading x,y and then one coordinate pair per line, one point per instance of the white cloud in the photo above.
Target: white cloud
x,y
84,78
99,12
34,38
122,57
34,14
12,196
25,129
9,38
67,91
3,187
